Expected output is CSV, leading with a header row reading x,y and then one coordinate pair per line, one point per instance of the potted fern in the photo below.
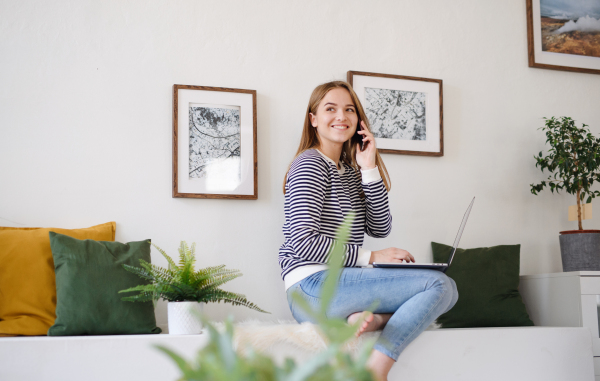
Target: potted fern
x,y
186,289
574,165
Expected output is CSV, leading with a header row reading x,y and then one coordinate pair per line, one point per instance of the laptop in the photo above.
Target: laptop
x,y
432,266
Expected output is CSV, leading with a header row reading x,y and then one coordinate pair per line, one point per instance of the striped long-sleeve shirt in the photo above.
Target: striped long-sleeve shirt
x,y
318,197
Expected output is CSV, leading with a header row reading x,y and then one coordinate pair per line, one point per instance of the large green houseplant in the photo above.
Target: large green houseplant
x,y
218,361
573,161
185,288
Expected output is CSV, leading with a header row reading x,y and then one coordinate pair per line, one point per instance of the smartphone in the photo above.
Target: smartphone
x,y
357,138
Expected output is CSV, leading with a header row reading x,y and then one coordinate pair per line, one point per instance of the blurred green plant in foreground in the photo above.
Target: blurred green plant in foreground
x,y
218,361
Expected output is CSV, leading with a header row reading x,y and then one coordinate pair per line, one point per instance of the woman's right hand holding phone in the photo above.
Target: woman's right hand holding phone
x,y
391,255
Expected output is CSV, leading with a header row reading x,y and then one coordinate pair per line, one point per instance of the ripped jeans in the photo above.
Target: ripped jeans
x,y
414,297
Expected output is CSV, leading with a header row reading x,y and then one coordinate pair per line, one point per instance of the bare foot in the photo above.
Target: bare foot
x,y
372,322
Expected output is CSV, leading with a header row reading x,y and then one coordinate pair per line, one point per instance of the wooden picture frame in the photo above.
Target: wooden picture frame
x,y
415,127
542,27
214,143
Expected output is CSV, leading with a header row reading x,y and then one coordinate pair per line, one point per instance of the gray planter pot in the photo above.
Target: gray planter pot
x,y
580,250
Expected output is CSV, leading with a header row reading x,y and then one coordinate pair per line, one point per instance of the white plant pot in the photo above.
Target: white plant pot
x,y
184,318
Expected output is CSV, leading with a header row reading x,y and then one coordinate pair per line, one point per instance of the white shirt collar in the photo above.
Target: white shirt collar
x,y
341,165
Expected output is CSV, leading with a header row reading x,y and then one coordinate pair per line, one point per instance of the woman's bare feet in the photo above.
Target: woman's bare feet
x,y
371,322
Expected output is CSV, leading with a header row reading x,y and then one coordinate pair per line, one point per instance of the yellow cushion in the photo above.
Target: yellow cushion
x,y
27,283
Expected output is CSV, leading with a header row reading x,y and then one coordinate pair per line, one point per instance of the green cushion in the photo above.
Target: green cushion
x,y
89,275
487,279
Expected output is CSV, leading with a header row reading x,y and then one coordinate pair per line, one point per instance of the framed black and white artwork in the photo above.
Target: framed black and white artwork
x,y
214,142
564,35
405,113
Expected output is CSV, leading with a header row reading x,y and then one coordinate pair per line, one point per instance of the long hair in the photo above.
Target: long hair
x,y
310,138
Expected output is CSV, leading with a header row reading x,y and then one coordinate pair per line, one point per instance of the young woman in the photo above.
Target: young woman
x,y
337,170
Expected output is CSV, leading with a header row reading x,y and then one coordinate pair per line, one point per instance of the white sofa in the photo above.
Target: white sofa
x,y
521,353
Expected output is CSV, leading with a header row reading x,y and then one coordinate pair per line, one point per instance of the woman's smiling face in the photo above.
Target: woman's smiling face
x,y
336,117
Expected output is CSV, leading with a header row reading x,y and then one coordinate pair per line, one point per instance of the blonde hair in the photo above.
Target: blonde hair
x,y
310,138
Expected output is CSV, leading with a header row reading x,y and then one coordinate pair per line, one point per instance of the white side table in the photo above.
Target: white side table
x,y
569,299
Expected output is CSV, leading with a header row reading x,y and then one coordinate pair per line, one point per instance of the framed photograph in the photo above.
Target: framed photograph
x,y
405,113
214,142
564,35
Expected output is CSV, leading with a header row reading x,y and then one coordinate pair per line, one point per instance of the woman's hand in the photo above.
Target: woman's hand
x,y
391,254
366,159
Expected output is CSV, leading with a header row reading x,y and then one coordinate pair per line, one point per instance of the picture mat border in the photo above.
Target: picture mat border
x,y
431,118
212,98
548,60
430,86
246,100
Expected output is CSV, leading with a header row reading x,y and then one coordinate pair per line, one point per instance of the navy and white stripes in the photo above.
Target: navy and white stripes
x,y
318,197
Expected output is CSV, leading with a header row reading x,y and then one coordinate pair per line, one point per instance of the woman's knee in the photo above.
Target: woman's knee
x,y
454,293
448,287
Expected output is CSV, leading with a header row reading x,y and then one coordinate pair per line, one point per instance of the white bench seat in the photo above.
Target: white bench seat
x,y
521,353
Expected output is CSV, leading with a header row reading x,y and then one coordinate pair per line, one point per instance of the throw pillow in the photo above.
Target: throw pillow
x,y
89,276
487,279
27,285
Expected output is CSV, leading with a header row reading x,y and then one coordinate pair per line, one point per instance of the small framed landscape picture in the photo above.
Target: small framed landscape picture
x,y
214,142
405,113
564,35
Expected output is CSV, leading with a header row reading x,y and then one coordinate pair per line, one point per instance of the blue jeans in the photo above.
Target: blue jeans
x,y
414,297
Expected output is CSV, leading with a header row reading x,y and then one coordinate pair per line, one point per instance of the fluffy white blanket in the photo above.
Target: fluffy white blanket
x,y
289,339
263,336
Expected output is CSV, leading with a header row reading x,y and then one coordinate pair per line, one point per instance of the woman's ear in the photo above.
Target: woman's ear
x,y
313,119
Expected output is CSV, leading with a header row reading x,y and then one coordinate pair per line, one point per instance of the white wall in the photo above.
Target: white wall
x,y
85,121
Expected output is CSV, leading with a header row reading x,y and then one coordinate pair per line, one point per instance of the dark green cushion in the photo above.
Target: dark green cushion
x,y
89,275
487,279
